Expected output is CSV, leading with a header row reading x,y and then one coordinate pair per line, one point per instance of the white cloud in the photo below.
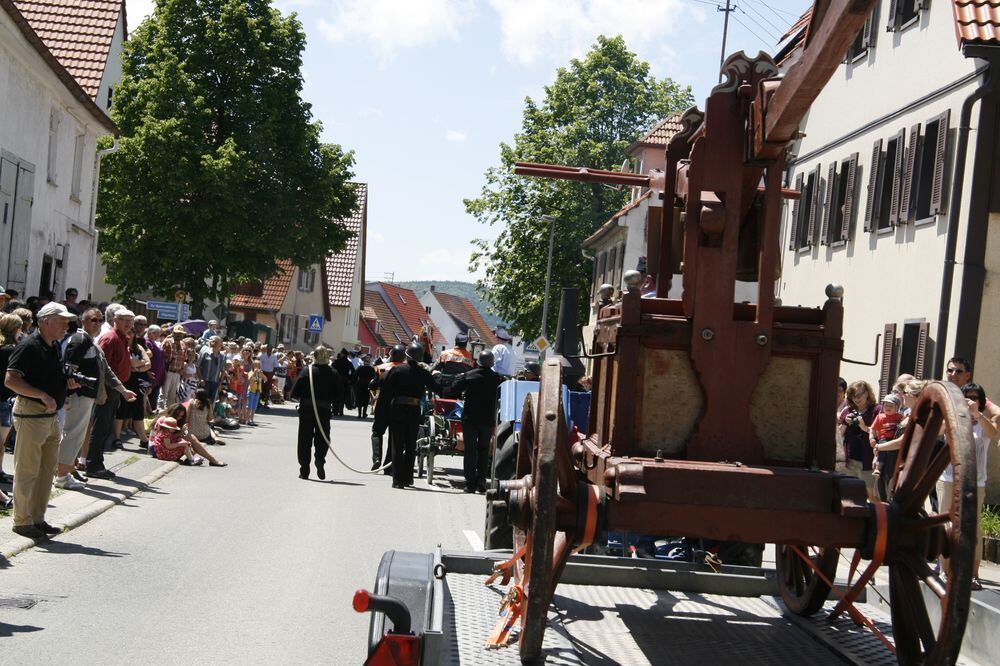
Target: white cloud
x,y
388,25
376,237
372,113
455,136
535,30
137,10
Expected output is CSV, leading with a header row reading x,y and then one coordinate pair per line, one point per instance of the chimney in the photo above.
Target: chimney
x,y
432,287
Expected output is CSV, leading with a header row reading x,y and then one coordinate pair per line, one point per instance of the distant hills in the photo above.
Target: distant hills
x,y
456,288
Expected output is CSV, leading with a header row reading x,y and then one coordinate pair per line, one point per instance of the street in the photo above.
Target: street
x,y
247,564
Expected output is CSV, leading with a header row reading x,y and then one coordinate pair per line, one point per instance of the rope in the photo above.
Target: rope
x,y
312,393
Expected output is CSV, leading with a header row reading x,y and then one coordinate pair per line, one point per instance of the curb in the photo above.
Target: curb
x,y
92,510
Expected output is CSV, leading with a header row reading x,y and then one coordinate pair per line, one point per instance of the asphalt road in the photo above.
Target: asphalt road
x,y
245,564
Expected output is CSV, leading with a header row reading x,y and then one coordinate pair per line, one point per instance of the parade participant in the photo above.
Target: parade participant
x,y
532,371
35,374
362,385
397,356
479,415
404,385
345,369
503,355
452,363
317,389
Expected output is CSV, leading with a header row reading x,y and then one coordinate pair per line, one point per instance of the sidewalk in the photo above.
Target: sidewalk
x,y
71,508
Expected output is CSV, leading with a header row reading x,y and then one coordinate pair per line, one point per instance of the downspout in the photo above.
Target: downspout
x,y
954,211
101,154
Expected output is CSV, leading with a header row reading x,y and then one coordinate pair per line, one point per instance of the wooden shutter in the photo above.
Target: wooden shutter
x,y
871,27
918,366
888,344
896,175
793,224
871,214
813,208
908,175
829,204
937,185
892,19
848,213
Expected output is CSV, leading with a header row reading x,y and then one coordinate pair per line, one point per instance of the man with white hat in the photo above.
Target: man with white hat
x,y
35,373
503,354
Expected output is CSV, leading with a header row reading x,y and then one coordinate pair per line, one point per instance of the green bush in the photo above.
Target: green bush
x,y
991,521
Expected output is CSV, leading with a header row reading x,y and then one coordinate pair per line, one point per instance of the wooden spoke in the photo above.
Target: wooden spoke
x,y
928,522
802,590
922,570
911,625
922,487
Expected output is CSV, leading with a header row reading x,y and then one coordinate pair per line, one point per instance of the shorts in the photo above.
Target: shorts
x,y
6,409
131,411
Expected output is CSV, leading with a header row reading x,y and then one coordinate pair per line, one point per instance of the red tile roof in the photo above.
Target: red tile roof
x,y
977,21
268,296
340,267
662,132
411,312
390,329
78,33
462,309
30,33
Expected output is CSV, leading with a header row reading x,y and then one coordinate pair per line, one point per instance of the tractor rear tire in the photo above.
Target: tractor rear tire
x,y
498,533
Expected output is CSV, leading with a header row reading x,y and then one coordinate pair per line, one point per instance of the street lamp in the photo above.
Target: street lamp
x,y
548,272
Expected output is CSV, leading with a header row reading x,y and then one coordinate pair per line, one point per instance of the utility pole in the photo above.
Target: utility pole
x,y
725,32
548,272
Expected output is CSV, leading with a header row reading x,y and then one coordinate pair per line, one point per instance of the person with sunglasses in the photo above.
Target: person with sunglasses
x,y
958,371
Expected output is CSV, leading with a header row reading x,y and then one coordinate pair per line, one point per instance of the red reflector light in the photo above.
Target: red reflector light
x,y
396,650
361,600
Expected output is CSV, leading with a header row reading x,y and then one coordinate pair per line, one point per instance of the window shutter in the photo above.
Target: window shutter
x,y
871,28
848,213
921,4
937,185
897,177
813,208
829,204
794,222
870,213
918,368
888,343
892,22
908,174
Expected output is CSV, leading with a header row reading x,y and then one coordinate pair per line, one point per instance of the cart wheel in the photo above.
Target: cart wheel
x,y
801,589
548,549
430,462
420,461
497,533
916,538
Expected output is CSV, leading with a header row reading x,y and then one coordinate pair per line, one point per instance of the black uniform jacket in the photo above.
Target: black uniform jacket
x,y
328,385
480,386
408,380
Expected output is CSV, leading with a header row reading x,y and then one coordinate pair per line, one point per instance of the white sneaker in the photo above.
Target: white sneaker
x,y
68,483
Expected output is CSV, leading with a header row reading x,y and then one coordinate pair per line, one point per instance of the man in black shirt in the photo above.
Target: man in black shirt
x,y
402,387
326,390
479,415
35,374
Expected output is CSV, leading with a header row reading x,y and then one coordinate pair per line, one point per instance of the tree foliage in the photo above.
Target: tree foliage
x,y
220,172
594,110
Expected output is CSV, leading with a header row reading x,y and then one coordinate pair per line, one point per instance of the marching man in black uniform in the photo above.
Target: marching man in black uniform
x,y
327,390
479,415
380,423
451,364
402,387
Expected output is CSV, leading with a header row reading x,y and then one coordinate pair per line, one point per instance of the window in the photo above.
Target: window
x,y
286,328
804,210
307,279
612,264
53,146
427,309
902,13
838,219
884,180
888,370
924,179
403,300
310,339
913,347
865,39
74,190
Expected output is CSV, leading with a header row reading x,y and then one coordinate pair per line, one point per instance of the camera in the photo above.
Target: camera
x,y
854,417
71,371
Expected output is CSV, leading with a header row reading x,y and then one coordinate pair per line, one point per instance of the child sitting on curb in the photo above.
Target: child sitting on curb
x,y
169,440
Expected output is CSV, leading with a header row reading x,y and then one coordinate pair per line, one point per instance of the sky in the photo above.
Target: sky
x,y
424,92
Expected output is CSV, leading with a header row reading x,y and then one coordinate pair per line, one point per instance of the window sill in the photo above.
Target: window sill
x,y
912,21
885,231
925,221
861,55
838,243
805,249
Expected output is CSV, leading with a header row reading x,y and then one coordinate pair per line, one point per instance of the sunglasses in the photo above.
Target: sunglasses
x,y
96,320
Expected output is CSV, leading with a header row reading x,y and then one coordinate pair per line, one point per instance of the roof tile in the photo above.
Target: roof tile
x,y
390,329
463,309
977,21
266,297
410,310
77,32
340,267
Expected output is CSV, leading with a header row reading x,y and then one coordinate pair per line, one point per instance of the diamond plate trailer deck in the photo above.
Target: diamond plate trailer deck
x,y
610,610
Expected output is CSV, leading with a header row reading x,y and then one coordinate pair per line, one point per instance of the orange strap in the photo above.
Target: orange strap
x,y
590,523
506,569
511,610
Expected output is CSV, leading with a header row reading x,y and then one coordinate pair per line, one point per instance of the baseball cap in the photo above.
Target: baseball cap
x,y
891,398
54,309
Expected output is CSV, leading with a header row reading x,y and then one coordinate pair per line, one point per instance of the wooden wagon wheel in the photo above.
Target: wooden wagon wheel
x,y
802,590
542,450
916,538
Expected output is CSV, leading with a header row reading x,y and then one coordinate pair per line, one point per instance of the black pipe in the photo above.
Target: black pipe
x,y
567,340
954,208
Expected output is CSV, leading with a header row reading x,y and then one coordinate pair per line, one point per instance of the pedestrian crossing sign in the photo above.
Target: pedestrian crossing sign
x,y
315,324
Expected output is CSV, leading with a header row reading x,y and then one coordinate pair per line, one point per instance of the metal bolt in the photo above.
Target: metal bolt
x,y
761,339
707,334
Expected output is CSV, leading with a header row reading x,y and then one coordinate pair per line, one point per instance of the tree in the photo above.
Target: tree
x,y
220,171
590,115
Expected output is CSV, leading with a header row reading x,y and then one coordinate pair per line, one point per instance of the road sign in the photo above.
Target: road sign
x,y
165,310
315,324
179,295
541,344
220,311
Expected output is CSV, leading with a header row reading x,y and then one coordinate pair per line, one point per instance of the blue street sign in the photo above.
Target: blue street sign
x,y
165,310
315,324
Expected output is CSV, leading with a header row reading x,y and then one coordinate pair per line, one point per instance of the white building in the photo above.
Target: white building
x,y
58,64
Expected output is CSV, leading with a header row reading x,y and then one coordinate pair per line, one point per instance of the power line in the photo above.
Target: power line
x,y
759,24
775,11
747,28
725,33
778,30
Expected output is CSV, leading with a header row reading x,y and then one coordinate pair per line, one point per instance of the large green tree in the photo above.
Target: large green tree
x,y
220,172
593,111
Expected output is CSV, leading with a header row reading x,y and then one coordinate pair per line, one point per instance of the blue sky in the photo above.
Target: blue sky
x,y
424,92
